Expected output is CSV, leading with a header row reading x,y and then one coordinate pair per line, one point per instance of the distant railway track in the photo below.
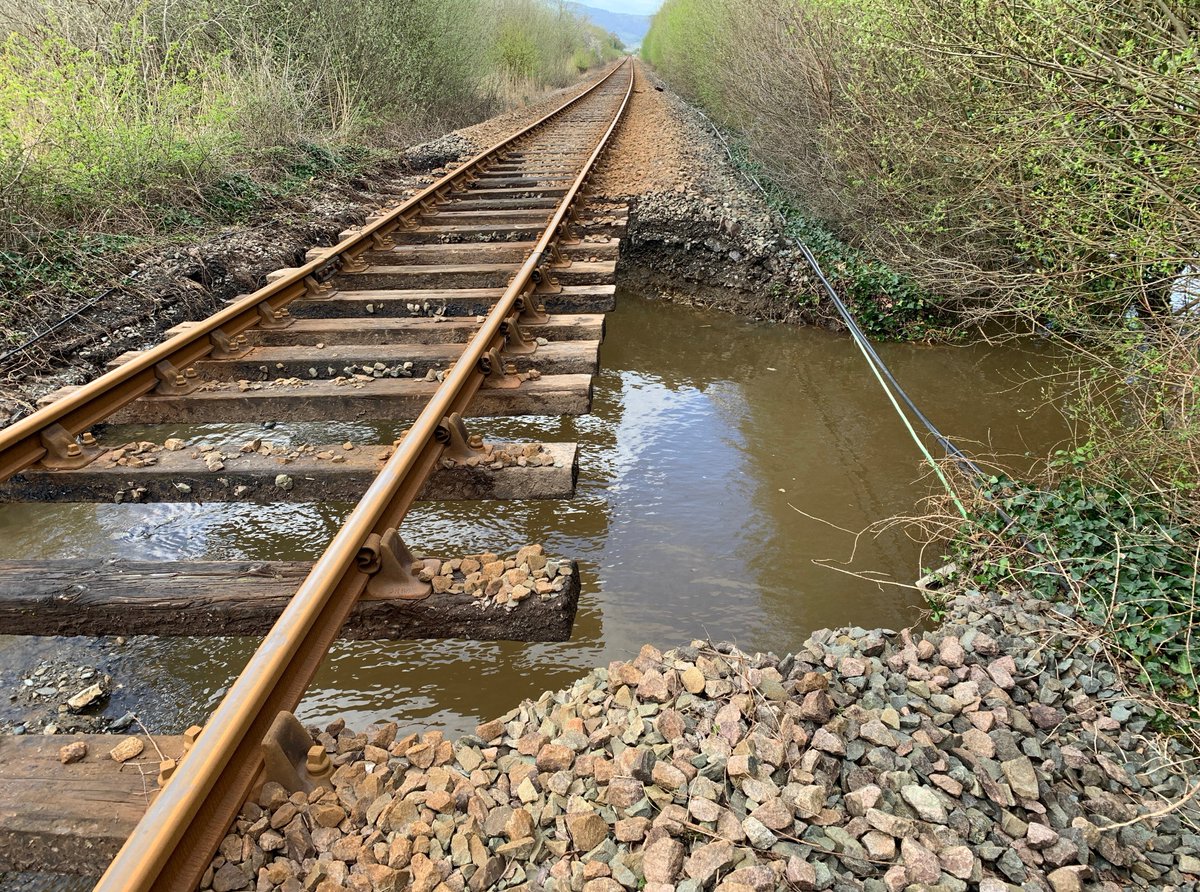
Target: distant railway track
x,y
493,249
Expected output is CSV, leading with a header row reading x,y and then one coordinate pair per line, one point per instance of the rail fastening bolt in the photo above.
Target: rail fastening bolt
x,y
189,737
189,372
73,450
317,763
165,769
89,439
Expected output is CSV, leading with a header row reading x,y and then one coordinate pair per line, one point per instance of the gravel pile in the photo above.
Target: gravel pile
x,y
495,581
980,756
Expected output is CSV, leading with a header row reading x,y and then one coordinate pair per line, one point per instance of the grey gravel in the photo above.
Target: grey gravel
x,y
638,776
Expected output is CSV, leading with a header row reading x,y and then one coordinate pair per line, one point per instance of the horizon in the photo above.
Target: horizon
x,y
629,7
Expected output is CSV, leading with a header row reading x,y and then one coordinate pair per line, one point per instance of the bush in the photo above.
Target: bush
x,y
113,113
1031,162
88,132
1034,155
886,304
537,44
1128,566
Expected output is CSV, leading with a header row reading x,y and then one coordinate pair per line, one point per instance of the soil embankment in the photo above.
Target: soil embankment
x,y
698,233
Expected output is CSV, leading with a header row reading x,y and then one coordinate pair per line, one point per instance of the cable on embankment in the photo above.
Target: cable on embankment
x,y
891,387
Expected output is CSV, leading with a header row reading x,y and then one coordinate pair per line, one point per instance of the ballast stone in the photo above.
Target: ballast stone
x,y
882,782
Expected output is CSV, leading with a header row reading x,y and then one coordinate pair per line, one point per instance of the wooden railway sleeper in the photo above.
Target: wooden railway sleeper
x,y
387,560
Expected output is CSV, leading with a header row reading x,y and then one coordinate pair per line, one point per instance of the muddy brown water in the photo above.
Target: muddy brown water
x,y
712,441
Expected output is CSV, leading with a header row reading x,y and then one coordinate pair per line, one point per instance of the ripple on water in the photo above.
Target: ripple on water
x,y
713,444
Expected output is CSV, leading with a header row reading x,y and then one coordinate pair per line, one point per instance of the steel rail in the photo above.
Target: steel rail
x,y
30,439
174,842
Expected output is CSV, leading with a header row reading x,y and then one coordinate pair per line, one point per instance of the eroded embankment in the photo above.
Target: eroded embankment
x,y
698,233
165,287
162,287
995,753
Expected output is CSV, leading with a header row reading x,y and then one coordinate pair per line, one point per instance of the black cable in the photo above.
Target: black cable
x,y
56,326
857,333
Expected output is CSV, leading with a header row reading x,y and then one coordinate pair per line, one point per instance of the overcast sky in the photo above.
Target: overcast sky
x,y
637,7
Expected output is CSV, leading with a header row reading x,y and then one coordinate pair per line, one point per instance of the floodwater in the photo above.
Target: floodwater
x,y
723,472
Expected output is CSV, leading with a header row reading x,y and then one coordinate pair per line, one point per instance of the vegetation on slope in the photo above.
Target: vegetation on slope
x,y
1033,161
148,116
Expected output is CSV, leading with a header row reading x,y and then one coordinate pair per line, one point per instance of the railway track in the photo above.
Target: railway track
x,y
481,294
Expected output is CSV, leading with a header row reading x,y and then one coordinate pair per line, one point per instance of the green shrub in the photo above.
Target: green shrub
x,y
516,52
582,60
148,114
88,132
1130,567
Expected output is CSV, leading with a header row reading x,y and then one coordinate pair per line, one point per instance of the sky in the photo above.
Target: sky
x,y
636,7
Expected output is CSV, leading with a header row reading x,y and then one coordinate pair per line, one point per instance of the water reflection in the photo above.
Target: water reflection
x,y
708,433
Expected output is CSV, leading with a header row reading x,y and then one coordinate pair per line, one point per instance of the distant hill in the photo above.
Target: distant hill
x,y
630,28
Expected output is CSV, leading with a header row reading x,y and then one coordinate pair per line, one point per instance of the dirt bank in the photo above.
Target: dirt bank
x,y
698,234
162,287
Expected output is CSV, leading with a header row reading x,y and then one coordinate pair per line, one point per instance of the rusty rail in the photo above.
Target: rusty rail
x,y
173,844
50,435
